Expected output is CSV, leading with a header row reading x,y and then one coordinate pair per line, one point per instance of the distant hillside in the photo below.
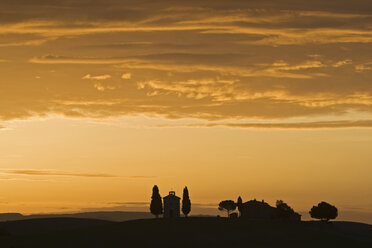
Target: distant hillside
x,y
110,216
47,225
11,216
200,232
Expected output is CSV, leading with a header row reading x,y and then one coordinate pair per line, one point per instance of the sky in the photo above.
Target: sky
x,y
100,100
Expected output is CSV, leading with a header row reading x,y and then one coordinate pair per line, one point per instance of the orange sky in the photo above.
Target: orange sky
x,y
100,100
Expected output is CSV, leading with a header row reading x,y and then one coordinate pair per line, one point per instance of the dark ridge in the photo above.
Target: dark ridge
x,y
202,232
11,216
100,215
44,225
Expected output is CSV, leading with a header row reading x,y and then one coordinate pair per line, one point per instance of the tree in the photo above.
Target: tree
x,y
239,204
324,211
284,211
228,206
186,203
156,206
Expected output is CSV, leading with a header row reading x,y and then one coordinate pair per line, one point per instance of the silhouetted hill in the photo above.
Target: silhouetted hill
x,y
36,226
110,216
202,232
11,216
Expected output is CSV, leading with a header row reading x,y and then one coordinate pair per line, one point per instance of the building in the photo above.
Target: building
x,y
295,217
257,210
261,210
171,205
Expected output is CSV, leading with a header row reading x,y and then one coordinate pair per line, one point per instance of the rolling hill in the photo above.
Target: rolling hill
x,y
101,215
194,232
47,225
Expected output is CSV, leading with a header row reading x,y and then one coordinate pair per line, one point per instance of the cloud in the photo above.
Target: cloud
x,y
25,43
141,177
233,91
98,77
165,62
29,179
126,76
363,67
196,89
343,62
102,87
273,25
295,125
54,173
214,61
51,59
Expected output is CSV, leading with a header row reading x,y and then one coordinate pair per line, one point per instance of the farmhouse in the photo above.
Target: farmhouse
x,y
261,210
257,210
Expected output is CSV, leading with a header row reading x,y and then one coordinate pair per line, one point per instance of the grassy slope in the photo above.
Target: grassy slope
x,y
35,226
202,232
99,215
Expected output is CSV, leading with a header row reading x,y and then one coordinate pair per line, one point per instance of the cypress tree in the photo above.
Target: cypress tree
x,y
239,204
186,203
156,206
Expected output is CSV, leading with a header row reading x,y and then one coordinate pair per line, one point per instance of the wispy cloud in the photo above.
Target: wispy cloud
x,y
291,27
126,76
294,125
102,87
343,62
249,60
98,77
141,177
37,42
363,67
275,69
52,59
52,173
55,173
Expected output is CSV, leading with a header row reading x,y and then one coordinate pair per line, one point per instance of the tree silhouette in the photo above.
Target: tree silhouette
x,y
228,206
186,203
156,206
324,211
284,211
239,204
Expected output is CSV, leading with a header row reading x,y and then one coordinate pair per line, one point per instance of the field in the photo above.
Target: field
x,y
182,232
